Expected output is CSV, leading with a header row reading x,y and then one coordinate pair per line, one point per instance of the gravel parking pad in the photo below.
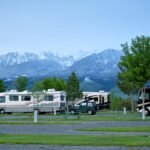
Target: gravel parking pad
x,y
50,147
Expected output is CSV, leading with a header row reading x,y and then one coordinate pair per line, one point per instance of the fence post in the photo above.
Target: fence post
x,y
35,116
124,110
143,113
54,111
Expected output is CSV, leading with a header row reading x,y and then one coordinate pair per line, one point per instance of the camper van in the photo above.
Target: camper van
x,y
47,101
146,102
101,99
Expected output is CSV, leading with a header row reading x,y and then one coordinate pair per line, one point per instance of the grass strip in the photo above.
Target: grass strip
x,y
84,140
84,118
117,129
38,123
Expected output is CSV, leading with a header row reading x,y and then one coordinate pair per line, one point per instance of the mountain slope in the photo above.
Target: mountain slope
x,y
102,64
96,71
16,58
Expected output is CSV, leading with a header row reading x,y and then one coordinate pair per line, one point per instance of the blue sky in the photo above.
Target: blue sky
x,y
71,25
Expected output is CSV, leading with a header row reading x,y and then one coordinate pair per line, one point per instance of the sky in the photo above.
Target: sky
x,y
71,25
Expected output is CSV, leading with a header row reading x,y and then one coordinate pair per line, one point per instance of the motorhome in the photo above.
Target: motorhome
x,y
47,101
101,98
146,103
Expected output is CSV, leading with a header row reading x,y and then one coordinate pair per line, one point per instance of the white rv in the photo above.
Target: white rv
x,y
13,101
101,98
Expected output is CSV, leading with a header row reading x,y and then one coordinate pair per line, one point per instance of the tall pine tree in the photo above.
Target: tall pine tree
x,y
73,90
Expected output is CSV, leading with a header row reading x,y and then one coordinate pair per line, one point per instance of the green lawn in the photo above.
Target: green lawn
x,y
84,118
118,129
101,115
38,123
87,140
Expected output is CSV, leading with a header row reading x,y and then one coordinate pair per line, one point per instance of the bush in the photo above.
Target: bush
x,y
118,103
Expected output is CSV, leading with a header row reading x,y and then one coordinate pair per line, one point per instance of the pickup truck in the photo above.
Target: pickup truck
x,y
84,107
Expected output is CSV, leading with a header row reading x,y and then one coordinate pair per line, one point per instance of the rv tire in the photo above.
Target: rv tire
x,y
90,112
72,112
147,112
2,111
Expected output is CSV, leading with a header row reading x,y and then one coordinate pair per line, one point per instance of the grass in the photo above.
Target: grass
x,y
118,129
101,116
84,118
85,140
110,112
38,123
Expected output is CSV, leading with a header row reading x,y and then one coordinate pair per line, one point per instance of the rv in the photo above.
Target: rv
x,y
146,102
13,101
101,98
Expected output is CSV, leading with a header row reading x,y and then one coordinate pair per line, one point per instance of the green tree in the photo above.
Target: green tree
x,y
54,83
21,83
115,101
2,86
60,84
135,66
37,91
73,90
126,77
48,83
38,94
118,103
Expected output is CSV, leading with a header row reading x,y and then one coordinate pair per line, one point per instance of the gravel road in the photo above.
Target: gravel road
x,y
50,147
69,129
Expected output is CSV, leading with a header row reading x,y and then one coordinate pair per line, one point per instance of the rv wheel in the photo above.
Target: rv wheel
x,y
147,112
2,111
72,112
90,112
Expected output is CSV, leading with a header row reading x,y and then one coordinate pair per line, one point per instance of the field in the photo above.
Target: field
x,y
106,128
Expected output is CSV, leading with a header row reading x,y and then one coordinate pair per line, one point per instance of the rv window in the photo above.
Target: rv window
x,y
96,99
83,104
49,98
89,104
146,96
13,98
25,98
62,98
2,99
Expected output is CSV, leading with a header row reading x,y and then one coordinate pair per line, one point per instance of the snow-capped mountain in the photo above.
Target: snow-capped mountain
x,y
98,64
95,71
64,59
101,64
16,58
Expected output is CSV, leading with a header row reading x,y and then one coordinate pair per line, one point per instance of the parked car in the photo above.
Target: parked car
x,y
84,107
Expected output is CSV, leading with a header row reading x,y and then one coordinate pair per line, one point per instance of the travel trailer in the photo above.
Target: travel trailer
x,y
47,101
146,102
101,98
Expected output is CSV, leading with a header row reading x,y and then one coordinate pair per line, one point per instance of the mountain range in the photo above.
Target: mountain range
x,y
95,71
